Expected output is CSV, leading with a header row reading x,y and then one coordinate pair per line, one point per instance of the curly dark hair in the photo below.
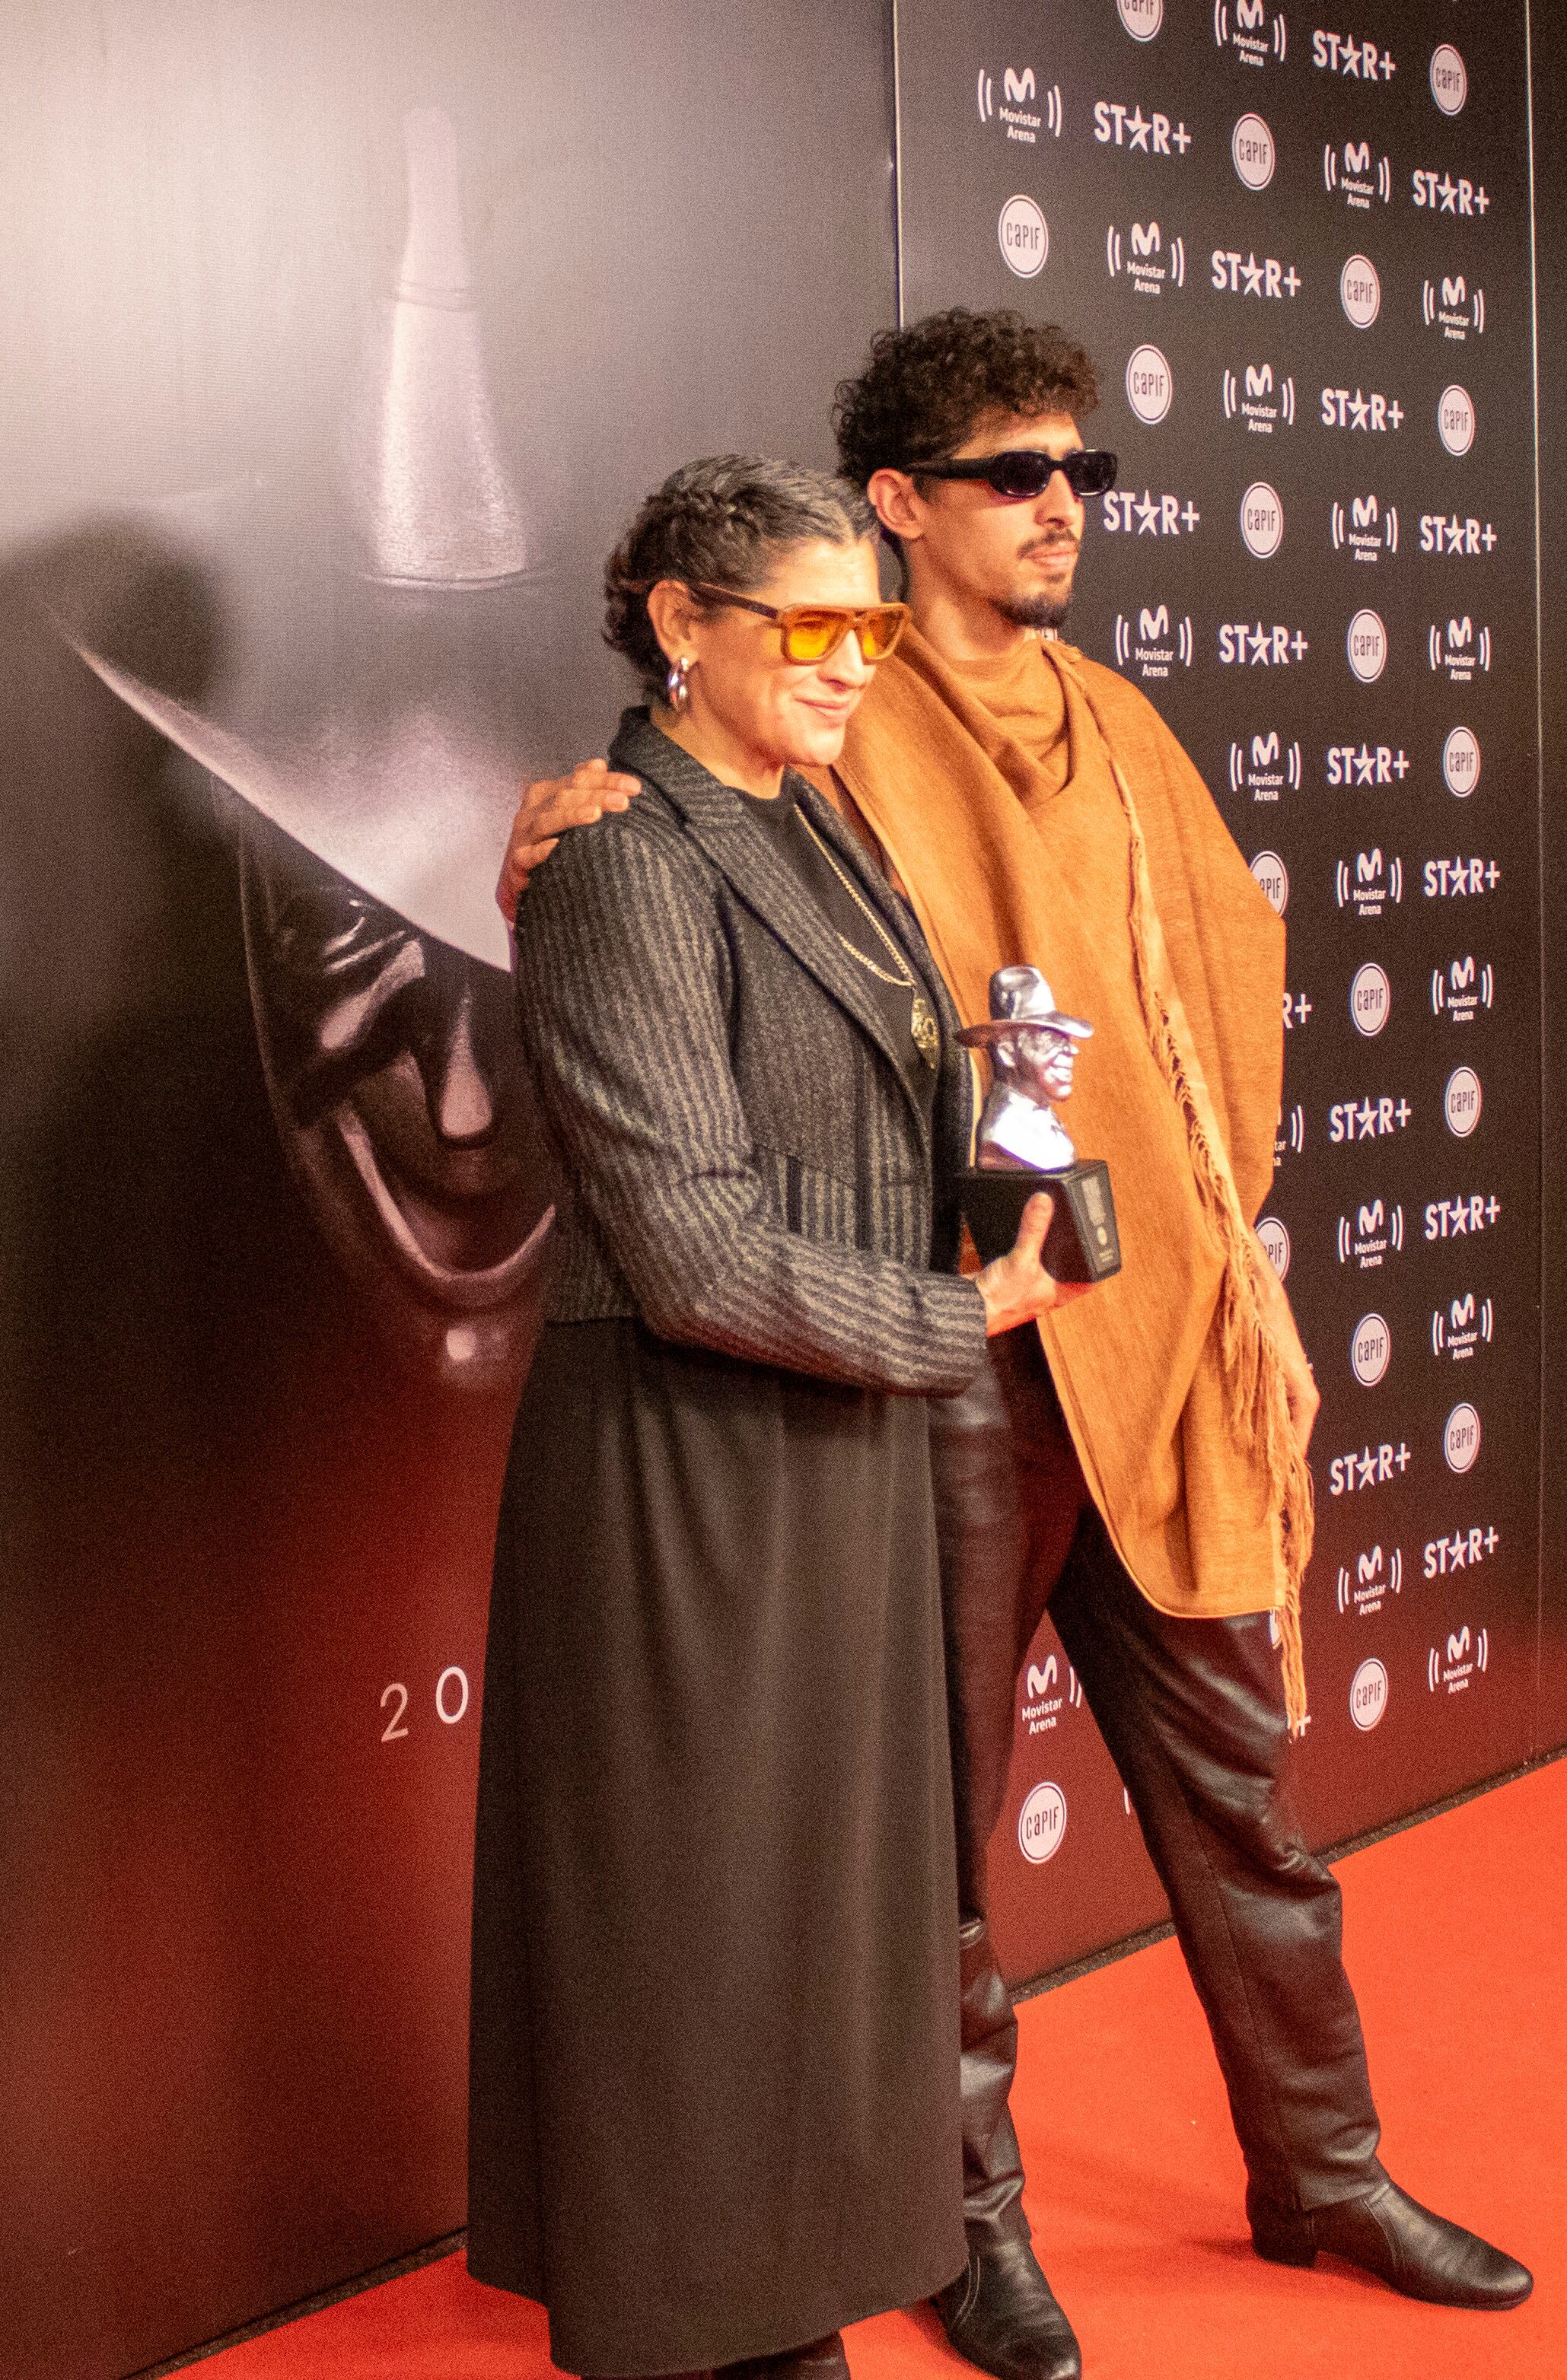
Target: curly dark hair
x,y
927,389
724,521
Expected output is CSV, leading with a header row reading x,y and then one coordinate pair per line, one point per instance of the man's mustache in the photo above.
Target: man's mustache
x,y
1051,542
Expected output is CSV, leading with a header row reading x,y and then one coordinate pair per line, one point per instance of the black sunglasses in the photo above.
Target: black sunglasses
x,y
1018,472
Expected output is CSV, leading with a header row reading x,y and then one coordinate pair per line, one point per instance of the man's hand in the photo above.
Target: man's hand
x,y
1300,1382
547,809
1016,1287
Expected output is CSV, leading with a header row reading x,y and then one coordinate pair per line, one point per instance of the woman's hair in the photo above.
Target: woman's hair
x,y
926,389
725,522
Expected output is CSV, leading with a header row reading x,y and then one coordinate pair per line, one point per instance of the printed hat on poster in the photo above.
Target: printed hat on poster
x,y
371,699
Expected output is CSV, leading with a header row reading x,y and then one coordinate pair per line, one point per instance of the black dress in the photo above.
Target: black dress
x,y
715,2055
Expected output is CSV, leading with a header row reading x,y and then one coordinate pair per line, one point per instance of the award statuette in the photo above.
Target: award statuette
x,y
1021,1146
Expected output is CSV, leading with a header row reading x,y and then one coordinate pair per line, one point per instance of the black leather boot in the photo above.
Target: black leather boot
x,y
1387,2233
1000,2312
1002,2315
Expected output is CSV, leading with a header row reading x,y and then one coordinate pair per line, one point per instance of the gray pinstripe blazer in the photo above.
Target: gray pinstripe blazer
x,y
743,1165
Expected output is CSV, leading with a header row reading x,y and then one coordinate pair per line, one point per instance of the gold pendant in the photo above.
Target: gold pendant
x,y
926,1031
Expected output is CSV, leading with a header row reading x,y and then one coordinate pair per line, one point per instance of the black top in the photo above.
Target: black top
x,y
804,854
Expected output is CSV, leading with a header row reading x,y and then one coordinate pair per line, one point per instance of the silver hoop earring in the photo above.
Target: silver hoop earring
x,y
677,685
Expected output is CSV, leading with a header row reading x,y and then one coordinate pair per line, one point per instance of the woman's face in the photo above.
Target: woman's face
x,y
785,714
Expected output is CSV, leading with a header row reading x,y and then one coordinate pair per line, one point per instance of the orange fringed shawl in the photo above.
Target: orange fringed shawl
x,y
1117,877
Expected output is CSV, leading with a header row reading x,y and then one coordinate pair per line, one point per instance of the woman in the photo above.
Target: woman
x,y
715,2057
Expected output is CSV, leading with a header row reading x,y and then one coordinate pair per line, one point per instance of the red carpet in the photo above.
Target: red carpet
x,y
1457,1942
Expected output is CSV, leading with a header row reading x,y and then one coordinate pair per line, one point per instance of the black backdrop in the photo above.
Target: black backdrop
x,y
248,1482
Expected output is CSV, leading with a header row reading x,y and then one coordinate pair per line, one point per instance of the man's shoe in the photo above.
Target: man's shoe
x,y
1391,2235
823,2360
1001,2315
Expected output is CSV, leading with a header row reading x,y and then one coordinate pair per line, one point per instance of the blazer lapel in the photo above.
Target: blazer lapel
x,y
741,851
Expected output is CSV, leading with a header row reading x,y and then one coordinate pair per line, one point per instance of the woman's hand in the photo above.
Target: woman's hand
x,y
547,809
1016,1287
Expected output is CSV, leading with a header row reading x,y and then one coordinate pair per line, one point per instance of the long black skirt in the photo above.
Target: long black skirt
x,y
714,2095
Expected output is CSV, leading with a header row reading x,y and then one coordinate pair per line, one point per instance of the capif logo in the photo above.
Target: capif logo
x,y
1275,1241
1343,409
1041,1824
1376,1576
1370,999
1256,31
1450,80
1460,989
1461,763
1370,1235
1453,306
1370,884
1369,1696
1360,292
1273,878
1150,384
1255,397
1142,19
1363,61
1366,528
1459,649
1462,1100
1265,767
1456,419
1365,643
1262,520
1461,1439
1461,1327
1155,643
1351,172
1370,1350
1145,258
1253,153
1024,237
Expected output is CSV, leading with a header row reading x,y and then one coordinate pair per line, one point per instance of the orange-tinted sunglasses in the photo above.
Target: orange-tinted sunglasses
x,y
809,632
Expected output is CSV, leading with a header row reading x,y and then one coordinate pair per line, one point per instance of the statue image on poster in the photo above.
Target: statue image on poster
x,y
374,712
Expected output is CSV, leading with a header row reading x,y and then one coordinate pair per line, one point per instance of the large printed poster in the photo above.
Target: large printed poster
x,y
1298,249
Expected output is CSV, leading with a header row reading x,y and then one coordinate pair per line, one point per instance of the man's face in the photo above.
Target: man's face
x,y
397,1084
1041,1064
1016,558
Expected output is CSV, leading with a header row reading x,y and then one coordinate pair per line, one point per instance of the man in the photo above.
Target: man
x,y
1142,1471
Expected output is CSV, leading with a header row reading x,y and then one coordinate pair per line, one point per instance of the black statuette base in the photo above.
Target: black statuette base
x,y
1082,1242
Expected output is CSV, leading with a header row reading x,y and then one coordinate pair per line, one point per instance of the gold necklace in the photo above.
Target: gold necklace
x,y
922,1023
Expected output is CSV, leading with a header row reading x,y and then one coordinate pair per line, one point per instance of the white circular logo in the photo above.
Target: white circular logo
x,y
1369,1696
1370,1350
1455,419
1460,762
1150,386
1462,1101
1254,154
1142,19
1262,520
1360,292
1461,1438
1274,878
1450,82
1366,645
1370,999
1041,1824
1024,237
1275,1244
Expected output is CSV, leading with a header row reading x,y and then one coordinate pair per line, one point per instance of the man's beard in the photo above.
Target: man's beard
x,y
1037,611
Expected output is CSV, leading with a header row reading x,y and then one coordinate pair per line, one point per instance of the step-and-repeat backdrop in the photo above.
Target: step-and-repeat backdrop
x,y
338,351
1298,250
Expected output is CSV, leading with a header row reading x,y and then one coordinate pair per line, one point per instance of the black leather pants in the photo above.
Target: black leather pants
x,y
1193,1713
